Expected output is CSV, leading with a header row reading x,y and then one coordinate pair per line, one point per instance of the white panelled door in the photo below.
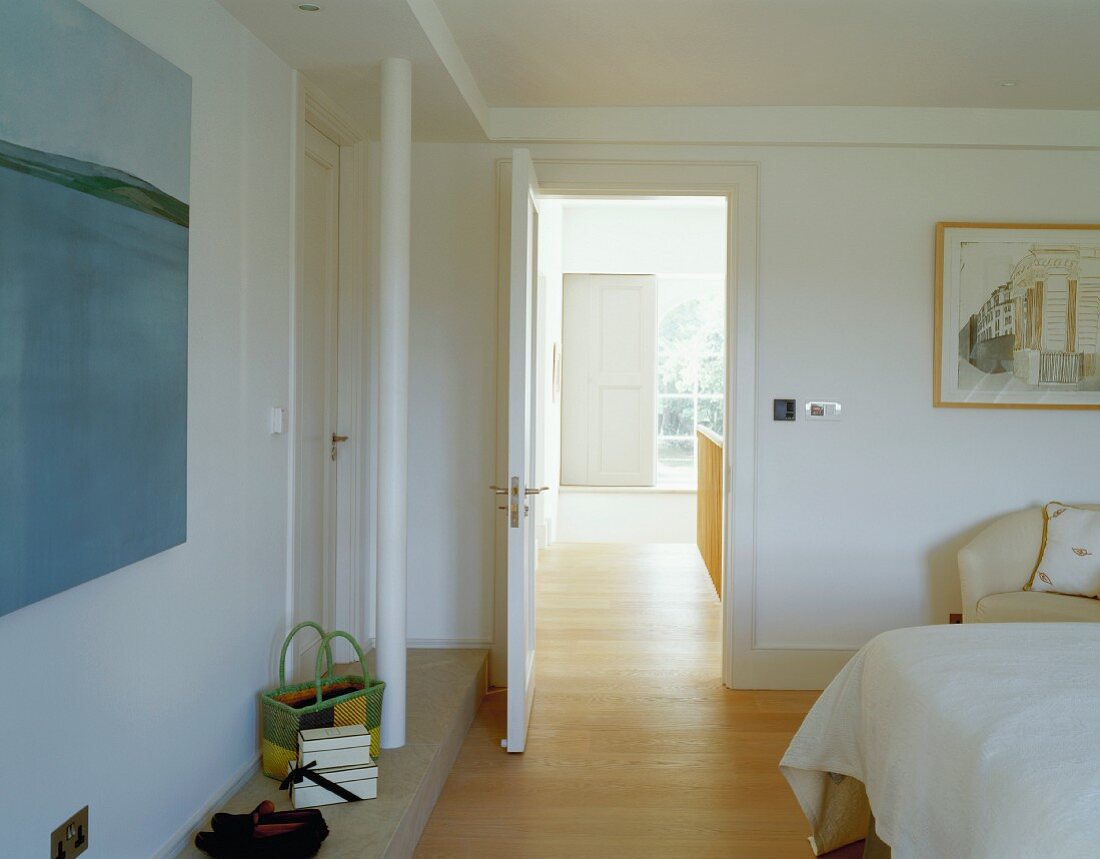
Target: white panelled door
x,y
316,346
609,384
522,492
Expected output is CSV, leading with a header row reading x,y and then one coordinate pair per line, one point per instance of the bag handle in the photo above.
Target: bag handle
x,y
327,642
286,645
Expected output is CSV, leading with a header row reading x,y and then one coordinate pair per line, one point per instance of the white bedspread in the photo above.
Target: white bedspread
x,y
976,740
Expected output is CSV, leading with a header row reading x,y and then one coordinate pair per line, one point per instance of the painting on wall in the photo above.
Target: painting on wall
x,y
1017,316
95,137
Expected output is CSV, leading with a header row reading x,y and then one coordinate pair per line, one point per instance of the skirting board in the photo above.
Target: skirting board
x,y
450,643
789,669
182,837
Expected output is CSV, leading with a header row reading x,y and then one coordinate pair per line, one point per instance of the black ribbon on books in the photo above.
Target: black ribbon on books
x,y
300,774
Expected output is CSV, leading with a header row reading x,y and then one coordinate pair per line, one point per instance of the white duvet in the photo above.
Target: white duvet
x,y
976,740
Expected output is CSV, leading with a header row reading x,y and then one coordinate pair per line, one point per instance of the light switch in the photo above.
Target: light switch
x,y
783,410
817,410
278,420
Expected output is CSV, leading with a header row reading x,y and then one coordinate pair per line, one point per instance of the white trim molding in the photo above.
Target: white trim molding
x,y
775,668
181,839
801,126
450,643
321,112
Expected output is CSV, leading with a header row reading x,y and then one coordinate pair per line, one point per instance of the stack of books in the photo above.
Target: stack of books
x,y
342,756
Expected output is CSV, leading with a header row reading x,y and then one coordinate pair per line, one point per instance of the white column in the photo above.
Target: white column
x,y
393,263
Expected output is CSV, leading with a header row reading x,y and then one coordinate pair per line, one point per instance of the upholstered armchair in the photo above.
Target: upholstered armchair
x,y
995,566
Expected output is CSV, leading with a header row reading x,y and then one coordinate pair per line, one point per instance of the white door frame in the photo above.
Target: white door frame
x,y
744,665
346,595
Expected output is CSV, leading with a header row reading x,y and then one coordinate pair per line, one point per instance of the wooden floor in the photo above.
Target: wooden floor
x,y
635,747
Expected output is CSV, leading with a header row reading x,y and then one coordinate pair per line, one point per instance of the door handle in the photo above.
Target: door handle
x,y
512,490
336,439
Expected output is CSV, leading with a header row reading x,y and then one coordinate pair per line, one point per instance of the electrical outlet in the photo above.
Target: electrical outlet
x,y
70,839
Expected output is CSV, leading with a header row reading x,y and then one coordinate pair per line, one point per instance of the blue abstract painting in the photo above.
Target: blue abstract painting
x,y
94,215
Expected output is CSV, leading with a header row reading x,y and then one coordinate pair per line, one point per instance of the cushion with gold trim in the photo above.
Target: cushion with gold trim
x,y
1069,556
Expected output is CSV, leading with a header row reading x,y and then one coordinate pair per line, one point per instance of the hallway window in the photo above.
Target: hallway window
x,y
690,374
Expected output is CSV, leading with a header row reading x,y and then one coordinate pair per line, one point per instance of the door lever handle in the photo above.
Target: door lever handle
x,y
499,490
530,491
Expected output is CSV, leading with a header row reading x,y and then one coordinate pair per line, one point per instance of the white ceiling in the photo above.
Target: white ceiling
x,y
341,47
477,60
912,53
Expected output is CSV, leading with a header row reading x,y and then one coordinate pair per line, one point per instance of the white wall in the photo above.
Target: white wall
x,y
644,237
137,692
858,521
597,515
452,393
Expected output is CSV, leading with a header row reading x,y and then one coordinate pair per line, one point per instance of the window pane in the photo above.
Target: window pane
x,y
713,341
711,375
675,416
681,326
675,372
711,413
675,462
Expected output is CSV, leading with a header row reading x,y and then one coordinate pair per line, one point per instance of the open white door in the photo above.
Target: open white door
x,y
522,424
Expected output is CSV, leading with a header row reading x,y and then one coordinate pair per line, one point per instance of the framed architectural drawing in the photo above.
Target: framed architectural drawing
x,y
1017,316
95,138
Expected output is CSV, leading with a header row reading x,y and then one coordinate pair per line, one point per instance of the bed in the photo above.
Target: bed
x,y
974,741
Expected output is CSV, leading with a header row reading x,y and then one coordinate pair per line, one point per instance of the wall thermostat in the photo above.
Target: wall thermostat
x,y
783,410
822,411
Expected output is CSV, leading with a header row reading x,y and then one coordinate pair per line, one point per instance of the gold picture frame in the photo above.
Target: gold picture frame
x,y
1017,316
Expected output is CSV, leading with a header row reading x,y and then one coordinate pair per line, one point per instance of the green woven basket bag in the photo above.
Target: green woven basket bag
x,y
332,702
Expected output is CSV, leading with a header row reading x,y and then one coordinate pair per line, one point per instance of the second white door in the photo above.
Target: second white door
x,y
316,348
609,381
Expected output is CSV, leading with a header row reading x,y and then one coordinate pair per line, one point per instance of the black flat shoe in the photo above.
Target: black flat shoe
x,y
242,825
284,841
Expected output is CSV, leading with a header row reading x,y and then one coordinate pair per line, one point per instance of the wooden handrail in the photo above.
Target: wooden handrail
x,y
709,503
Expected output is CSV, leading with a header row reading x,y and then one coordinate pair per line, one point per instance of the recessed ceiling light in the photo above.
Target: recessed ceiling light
x,y
1008,83
308,7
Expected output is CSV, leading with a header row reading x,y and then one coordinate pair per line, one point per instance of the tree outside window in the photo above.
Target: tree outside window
x,y
690,383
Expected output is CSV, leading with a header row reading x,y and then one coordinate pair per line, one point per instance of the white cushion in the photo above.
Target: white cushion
x,y
1069,561
1020,606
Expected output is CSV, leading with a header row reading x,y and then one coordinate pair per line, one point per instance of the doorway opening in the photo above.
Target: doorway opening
x,y
630,359
327,409
632,315
527,481
317,391
631,329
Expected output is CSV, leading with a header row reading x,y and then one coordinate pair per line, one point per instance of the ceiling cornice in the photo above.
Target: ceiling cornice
x,y
802,126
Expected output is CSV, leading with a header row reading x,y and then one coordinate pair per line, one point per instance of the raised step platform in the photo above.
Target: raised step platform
x,y
445,691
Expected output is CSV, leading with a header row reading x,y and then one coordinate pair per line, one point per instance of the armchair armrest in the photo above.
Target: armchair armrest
x,y
1000,559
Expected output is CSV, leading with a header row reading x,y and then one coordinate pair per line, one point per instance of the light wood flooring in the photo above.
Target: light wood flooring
x,y
635,747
